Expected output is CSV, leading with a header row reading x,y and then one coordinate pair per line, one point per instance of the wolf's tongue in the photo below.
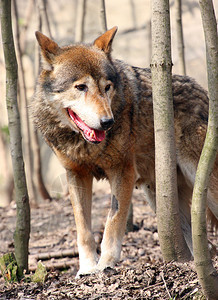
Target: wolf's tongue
x,y
93,135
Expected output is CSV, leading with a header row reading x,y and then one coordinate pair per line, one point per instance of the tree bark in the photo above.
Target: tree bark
x,y
42,7
207,275
38,168
180,39
38,178
26,22
172,242
149,47
103,17
7,181
80,21
24,114
133,13
22,230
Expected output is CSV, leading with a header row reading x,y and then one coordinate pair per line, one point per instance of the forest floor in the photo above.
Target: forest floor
x,y
141,273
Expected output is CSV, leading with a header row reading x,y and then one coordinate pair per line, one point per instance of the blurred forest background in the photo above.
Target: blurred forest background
x,y
63,22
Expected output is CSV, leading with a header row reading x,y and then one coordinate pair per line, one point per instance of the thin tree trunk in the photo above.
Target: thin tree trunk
x,y
149,47
180,39
7,180
25,114
42,6
26,22
37,51
207,275
22,231
38,179
172,242
80,20
37,168
133,12
103,17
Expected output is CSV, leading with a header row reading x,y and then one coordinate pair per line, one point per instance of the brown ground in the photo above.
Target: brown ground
x,y
141,274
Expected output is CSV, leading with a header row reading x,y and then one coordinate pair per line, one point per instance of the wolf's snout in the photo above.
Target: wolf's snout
x,y
106,123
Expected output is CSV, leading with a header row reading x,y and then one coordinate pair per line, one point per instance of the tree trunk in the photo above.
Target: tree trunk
x,y
149,47
133,13
103,17
172,242
42,7
25,23
7,181
180,39
207,275
38,179
80,21
24,114
21,235
38,168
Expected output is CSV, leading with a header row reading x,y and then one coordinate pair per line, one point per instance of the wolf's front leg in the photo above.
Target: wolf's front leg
x,y
80,188
122,183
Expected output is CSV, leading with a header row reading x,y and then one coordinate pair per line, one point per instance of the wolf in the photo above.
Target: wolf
x,y
96,114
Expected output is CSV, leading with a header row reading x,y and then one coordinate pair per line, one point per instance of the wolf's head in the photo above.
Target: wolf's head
x,y
78,82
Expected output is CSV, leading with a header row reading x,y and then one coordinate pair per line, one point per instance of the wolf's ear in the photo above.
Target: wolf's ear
x,y
104,42
48,48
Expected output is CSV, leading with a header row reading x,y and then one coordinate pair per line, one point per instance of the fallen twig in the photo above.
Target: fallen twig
x,y
56,254
55,265
152,286
162,276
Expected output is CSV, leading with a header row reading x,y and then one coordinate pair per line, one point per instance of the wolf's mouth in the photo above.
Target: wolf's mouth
x,y
92,135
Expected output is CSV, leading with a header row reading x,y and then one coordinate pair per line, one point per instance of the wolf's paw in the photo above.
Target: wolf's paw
x,y
109,271
107,262
85,272
95,270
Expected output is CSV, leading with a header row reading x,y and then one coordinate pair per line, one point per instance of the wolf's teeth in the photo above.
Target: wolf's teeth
x,y
92,135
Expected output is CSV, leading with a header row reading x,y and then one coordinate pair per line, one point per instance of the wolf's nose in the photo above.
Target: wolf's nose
x,y
106,122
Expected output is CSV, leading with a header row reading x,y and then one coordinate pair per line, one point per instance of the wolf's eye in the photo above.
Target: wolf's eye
x,y
108,86
81,87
